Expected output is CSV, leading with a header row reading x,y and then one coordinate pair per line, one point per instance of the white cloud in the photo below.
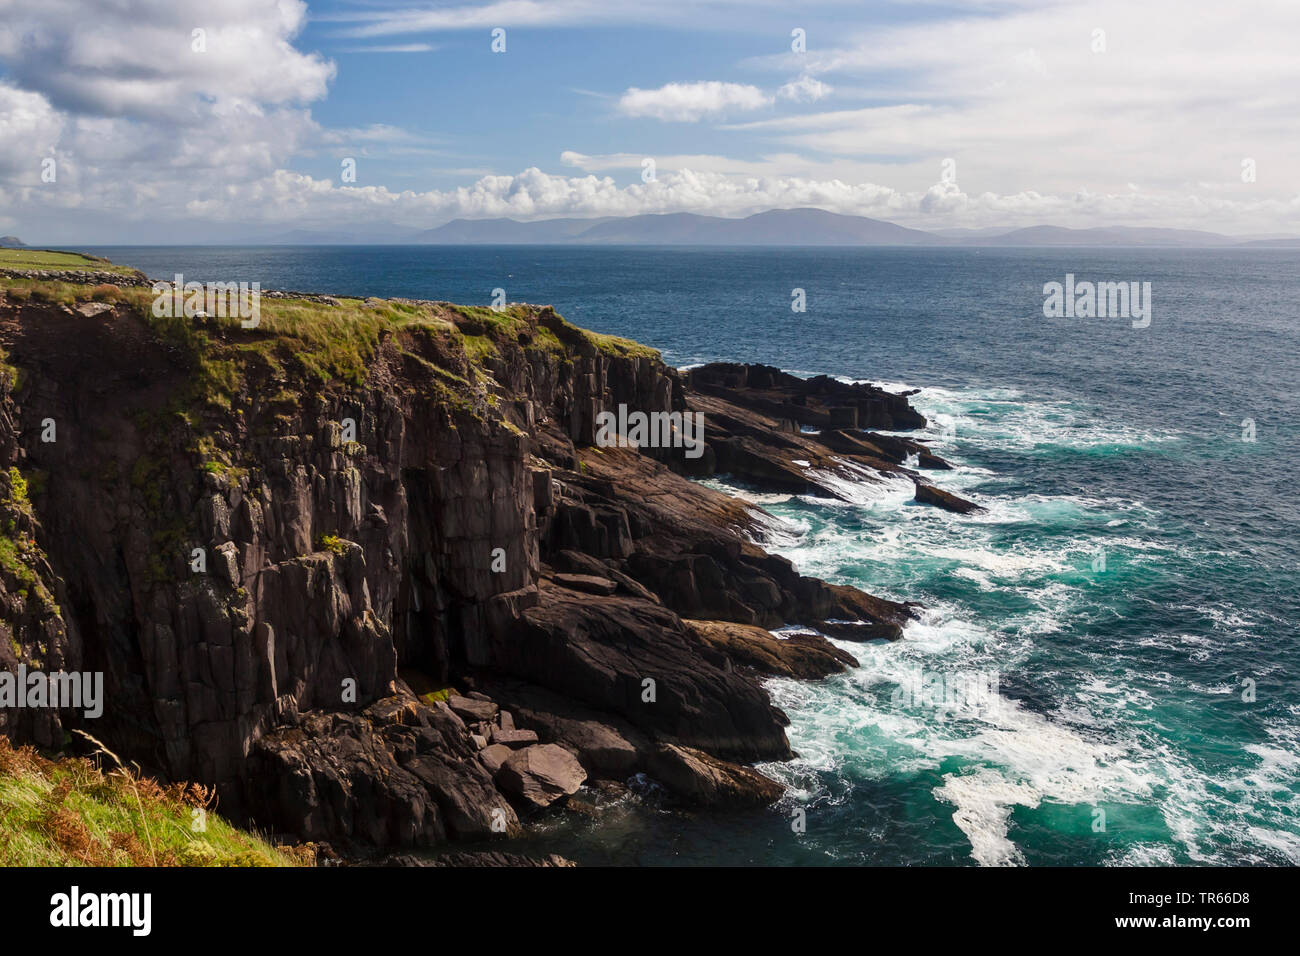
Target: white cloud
x,y
692,102
725,15
139,120
393,48
29,130
1184,90
149,135
140,59
285,199
806,89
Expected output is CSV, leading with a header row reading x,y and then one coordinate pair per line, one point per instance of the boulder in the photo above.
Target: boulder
x,y
698,778
930,495
541,774
604,743
493,756
514,738
587,582
470,709
603,652
410,782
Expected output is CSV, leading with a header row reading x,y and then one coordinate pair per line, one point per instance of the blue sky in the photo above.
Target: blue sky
x,y
969,114
555,89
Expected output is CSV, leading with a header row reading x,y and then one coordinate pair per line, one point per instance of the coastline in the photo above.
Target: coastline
x,y
1070,467
425,520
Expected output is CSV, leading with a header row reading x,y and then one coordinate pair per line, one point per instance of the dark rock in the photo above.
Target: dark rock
x,y
462,858
338,775
587,583
808,656
514,738
468,708
333,565
698,778
497,858
493,756
603,654
930,495
603,742
541,774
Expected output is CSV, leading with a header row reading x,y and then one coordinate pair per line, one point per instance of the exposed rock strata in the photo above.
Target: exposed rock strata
x,y
468,536
928,494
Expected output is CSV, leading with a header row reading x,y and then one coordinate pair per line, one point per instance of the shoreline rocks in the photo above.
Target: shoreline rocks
x,y
805,656
571,615
928,494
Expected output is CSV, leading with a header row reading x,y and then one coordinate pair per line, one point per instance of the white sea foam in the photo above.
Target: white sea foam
x,y
1104,740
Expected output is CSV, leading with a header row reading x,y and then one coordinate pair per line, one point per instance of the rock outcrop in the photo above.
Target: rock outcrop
x,y
380,586
807,656
928,494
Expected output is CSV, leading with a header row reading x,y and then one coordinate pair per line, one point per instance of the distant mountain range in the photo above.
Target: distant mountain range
x,y
807,227
777,227
12,242
1106,236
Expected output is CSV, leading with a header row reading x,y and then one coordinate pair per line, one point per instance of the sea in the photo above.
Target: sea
x,y
1107,667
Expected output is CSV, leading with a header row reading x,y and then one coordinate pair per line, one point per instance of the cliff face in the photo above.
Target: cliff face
x,y
276,543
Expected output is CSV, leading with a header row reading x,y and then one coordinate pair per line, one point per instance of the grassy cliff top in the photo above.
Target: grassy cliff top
x,y
58,261
70,813
331,339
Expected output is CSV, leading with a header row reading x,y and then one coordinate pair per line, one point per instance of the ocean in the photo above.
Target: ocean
x,y
1107,671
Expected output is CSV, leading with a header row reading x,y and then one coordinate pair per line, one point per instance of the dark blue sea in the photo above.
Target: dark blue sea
x,y
1129,605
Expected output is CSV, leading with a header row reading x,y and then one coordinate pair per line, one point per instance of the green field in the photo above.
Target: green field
x,y
41,259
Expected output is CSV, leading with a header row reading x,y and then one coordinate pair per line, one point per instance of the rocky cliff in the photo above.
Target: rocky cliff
x,y
365,569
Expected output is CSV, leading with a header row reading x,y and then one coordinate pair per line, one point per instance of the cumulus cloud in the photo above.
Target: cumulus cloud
x,y
29,130
143,59
283,199
692,102
806,89
140,112
1067,95
149,134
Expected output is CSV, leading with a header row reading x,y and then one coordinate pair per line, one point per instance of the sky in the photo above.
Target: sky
x,y
136,121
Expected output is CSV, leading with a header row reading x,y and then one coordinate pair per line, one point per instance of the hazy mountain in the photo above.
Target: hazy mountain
x,y
464,232
12,242
778,227
968,233
1290,243
1103,236
373,235
658,229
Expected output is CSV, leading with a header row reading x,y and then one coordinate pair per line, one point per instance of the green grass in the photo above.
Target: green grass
x,y
323,343
71,813
18,551
42,259
333,544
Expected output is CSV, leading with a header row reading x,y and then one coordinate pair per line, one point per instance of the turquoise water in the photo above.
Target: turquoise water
x,y
1093,713
1118,733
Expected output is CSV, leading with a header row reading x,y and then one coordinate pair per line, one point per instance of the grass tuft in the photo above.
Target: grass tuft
x,y
73,813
